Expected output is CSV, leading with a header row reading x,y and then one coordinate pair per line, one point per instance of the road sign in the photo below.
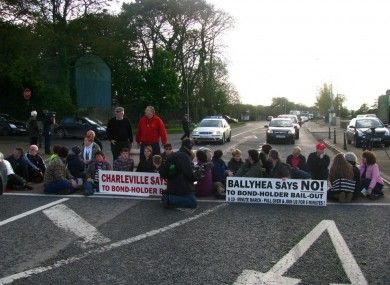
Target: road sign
x,y
27,94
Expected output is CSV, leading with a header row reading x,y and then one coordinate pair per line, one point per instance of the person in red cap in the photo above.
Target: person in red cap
x,y
318,163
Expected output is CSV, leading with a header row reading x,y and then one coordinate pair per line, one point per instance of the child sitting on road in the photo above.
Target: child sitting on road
x,y
124,162
91,185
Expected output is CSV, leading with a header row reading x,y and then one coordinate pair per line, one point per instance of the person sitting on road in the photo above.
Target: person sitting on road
x,y
157,161
54,155
180,187
57,178
124,162
318,163
252,166
219,167
12,181
19,163
279,169
204,187
91,184
75,164
264,158
167,152
146,165
370,175
235,162
36,165
297,164
3,174
91,135
341,180
88,151
352,159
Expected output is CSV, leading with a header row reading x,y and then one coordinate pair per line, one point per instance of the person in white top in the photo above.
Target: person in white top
x,y
12,180
88,150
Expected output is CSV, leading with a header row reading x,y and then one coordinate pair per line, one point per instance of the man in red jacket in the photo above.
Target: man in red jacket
x,y
150,130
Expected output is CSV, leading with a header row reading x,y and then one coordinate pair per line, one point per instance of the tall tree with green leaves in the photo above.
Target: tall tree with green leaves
x,y
324,99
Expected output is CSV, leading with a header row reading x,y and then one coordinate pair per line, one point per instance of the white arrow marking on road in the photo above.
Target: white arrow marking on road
x,y
69,220
274,275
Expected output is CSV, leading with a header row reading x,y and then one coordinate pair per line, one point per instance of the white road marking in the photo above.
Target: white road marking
x,y
70,260
275,274
98,196
22,215
70,221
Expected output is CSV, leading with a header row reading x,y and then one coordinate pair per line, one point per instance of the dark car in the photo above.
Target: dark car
x,y
10,126
230,119
362,128
78,126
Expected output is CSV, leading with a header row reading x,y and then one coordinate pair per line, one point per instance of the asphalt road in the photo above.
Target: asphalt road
x,y
102,240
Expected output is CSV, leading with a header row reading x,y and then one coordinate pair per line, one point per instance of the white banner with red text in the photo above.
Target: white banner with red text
x,y
276,191
142,184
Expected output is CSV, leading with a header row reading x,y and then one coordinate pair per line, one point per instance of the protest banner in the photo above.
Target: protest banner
x,y
276,191
143,184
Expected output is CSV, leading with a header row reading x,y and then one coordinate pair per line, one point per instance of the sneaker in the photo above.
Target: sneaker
x,y
28,187
342,197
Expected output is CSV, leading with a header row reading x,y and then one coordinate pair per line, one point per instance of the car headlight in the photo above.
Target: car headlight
x,y
12,126
217,132
195,132
270,131
387,132
101,129
290,132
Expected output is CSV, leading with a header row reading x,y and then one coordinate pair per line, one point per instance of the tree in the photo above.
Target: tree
x,y
324,99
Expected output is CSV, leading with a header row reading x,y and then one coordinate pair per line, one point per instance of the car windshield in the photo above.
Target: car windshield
x,y
92,122
368,123
281,123
293,119
210,124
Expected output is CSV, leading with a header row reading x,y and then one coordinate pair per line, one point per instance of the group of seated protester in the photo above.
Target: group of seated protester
x,y
66,171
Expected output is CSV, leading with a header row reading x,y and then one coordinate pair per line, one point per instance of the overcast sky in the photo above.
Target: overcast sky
x,y
290,48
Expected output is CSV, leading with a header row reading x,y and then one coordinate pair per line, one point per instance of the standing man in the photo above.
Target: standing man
x,y
48,123
150,130
318,163
185,122
33,128
119,132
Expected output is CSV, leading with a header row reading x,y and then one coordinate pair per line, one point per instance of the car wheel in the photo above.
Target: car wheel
x,y
61,134
223,139
230,137
357,142
297,135
5,132
292,141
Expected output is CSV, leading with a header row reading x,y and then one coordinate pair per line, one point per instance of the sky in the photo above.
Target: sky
x,y
290,48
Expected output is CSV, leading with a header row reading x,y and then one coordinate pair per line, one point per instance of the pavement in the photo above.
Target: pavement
x,y
320,130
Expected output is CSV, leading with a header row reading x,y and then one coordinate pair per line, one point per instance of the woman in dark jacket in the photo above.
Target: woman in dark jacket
x,y
147,164
279,169
252,166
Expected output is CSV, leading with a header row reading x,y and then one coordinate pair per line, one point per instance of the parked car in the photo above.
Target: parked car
x,y
361,128
212,129
365,115
296,123
280,129
78,126
10,126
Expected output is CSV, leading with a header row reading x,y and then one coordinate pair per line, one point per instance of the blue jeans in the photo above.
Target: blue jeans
x,y
156,150
54,187
184,201
90,187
